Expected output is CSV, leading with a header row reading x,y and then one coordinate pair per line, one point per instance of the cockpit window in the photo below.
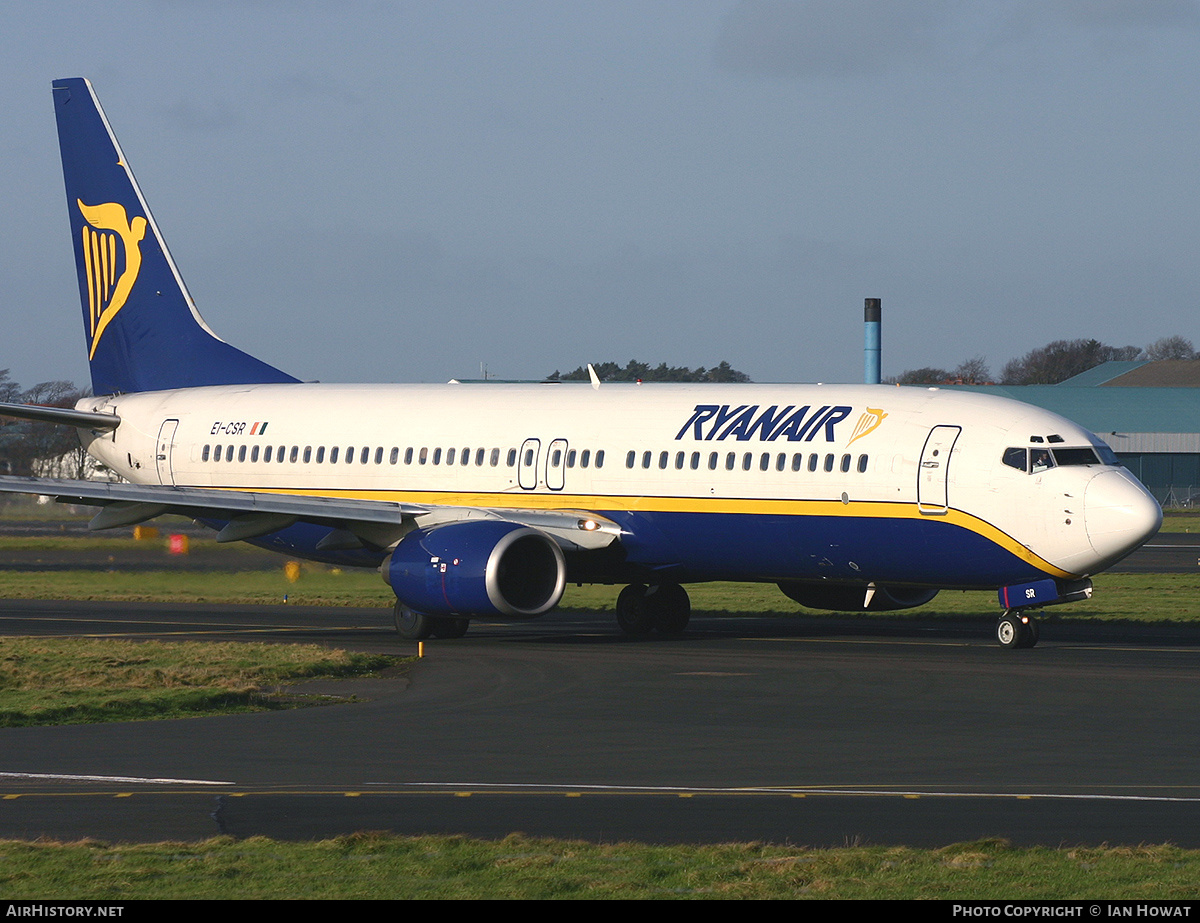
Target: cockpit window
x,y
1076,456
1040,460
1016,458
1107,455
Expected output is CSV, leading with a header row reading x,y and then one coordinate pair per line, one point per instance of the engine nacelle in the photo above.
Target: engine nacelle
x,y
850,598
480,567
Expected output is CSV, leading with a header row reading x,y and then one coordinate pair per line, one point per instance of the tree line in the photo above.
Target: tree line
x,y
40,449
1049,364
642,371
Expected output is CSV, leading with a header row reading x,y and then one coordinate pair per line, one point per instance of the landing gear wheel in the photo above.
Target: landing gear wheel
x,y
664,608
1014,630
446,627
633,614
671,607
410,624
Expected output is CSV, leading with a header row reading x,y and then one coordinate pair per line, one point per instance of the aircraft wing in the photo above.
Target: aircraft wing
x,y
250,514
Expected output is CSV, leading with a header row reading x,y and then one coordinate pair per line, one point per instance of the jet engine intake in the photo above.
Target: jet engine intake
x,y
481,567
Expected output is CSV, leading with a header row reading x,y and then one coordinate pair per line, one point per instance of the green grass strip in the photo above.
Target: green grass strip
x,y
85,680
390,867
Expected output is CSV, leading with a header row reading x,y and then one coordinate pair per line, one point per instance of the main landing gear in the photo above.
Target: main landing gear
x,y
417,626
1017,628
642,609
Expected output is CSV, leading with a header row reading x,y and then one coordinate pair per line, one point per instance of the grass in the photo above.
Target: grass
x,y
380,866
1134,598
84,680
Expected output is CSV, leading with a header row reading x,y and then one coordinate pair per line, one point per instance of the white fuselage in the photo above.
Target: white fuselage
x,y
841,482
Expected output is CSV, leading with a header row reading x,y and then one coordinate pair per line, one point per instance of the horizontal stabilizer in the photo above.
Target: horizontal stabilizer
x,y
80,418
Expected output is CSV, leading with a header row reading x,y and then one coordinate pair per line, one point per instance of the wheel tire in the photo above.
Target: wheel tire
x,y
671,608
634,615
1010,631
410,624
447,627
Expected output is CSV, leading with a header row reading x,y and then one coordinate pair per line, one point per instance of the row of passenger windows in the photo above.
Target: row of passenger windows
x,y
764,462
584,458
366,455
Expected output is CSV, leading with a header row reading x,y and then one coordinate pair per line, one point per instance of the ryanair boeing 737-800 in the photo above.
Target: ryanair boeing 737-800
x,y
485,500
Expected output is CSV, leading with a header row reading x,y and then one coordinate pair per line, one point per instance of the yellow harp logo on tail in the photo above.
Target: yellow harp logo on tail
x,y
867,423
111,245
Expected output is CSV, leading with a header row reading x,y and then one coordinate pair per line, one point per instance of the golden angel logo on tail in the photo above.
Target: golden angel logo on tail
x,y
109,239
867,423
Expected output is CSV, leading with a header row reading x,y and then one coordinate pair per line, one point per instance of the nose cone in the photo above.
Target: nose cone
x,y
1119,515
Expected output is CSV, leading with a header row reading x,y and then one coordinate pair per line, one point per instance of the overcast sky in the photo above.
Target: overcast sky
x,y
402,191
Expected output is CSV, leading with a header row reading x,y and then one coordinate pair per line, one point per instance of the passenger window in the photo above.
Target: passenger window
x,y
712,461
630,458
320,454
599,458
267,454
307,454
512,458
450,456
585,457
812,462
365,456
828,462
295,454
254,454
862,464
205,453
845,463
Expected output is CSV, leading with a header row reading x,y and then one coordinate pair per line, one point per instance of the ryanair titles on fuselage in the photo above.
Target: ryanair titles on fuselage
x,y
716,422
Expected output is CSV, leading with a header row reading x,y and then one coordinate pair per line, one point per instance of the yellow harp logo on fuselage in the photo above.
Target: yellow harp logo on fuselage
x,y
867,423
111,244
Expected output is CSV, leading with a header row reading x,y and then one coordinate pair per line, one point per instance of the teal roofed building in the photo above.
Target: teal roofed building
x,y
1148,412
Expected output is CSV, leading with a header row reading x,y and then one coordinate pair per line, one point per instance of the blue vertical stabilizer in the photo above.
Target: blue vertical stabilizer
x,y
142,329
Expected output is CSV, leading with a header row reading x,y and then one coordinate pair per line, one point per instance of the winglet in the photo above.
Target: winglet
x,y
594,377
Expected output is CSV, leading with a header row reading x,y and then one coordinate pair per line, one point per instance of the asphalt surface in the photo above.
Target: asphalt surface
x,y
807,731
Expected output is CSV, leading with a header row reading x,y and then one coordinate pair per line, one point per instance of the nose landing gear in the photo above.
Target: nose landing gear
x,y
1017,629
